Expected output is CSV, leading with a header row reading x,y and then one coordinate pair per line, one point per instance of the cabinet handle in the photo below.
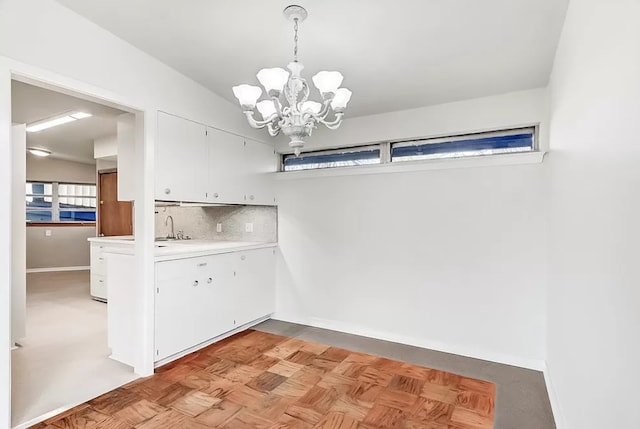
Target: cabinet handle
x,y
251,197
195,283
167,191
215,195
100,259
209,280
243,257
202,264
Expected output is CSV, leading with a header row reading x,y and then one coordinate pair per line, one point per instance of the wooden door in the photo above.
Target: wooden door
x,y
114,217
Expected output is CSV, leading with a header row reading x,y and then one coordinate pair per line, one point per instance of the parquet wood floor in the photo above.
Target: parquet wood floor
x,y
265,381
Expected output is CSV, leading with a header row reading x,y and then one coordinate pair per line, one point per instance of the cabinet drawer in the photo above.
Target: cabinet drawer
x,y
97,261
98,287
183,268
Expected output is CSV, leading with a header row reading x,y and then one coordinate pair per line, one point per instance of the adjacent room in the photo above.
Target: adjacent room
x,y
61,354
418,214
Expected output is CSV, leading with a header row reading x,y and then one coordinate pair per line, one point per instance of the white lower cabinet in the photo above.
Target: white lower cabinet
x,y
98,282
198,299
253,295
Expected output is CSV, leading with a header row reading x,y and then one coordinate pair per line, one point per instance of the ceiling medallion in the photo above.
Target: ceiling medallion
x,y
288,108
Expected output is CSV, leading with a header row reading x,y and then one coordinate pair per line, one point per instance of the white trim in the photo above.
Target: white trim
x,y
144,199
348,328
558,417
412,166
54,269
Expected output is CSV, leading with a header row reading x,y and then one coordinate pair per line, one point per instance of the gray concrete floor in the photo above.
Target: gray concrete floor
x,y
522,401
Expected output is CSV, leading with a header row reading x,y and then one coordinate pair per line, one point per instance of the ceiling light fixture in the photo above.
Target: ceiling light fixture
x,y
38,152
297,119
54,122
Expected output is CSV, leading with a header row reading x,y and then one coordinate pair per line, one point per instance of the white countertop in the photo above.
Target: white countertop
x,y
178,249
120,239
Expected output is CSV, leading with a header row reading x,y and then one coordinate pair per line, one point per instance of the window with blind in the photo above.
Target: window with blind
x,y
60,202
472,145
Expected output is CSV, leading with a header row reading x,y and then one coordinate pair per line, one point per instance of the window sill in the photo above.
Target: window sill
x,y
411,166
58,224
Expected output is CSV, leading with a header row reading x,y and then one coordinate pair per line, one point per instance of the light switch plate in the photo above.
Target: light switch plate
x,y
248,227
47,233
219,227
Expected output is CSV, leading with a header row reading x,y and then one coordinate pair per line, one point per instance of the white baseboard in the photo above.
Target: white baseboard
x,y
348,328
52,269
558,417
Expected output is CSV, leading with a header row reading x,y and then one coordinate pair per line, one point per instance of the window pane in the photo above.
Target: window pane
x,y
329,159
77,216
436,148
38,216
77,203
39,189
39,202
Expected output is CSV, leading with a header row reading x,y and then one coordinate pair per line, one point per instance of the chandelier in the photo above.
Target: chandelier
x,y
299,116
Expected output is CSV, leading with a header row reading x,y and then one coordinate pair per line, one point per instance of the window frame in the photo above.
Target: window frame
x,y
340,150
534,155
55,205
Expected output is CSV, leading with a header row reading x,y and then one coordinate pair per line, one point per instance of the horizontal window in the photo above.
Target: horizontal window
x,y
473,145
334,158
60,202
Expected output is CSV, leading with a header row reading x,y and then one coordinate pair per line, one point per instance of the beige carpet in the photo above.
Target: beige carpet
x,y
64,359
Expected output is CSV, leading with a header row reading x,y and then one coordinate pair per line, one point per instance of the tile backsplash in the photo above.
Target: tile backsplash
x,y
201,222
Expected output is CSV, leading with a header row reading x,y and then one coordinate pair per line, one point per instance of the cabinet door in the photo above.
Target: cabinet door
x,y
255,285
215,294
181,160
261,162
226,158
175,318
194,302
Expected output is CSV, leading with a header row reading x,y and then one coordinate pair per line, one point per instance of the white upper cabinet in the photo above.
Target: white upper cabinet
x,y
196,163
182,170
226,156
261,161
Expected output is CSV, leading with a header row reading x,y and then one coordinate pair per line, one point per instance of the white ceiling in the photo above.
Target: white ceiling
x,y
394,55
72,141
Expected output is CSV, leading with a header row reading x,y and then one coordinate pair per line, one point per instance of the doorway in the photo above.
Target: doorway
x,y
64,356
115,217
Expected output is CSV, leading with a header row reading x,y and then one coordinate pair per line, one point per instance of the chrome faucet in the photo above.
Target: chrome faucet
x,y
172,235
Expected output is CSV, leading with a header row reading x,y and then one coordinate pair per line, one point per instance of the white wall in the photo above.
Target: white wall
x,y
66,247
481,114
59,170
105,147
594,180
18,241
5,249
447,259
63,42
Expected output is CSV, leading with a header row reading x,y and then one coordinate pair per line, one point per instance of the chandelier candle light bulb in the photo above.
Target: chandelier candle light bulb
x,y
299,116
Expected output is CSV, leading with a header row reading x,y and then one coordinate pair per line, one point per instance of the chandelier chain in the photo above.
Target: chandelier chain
x,y
295,40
